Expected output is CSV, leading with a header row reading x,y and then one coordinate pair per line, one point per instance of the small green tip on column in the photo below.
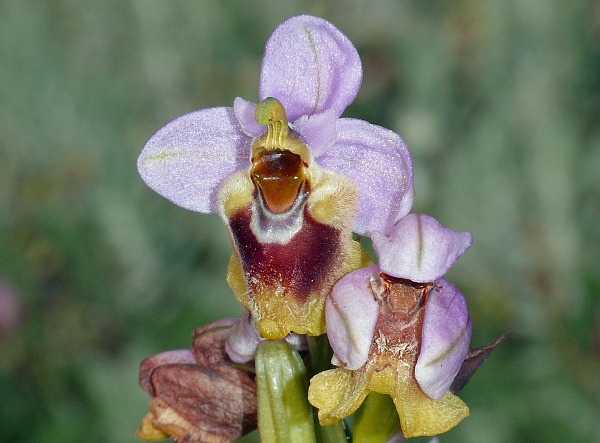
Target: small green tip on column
x,y
271,112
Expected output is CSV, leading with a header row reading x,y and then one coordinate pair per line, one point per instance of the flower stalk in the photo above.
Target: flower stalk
x,y
376,421
320,360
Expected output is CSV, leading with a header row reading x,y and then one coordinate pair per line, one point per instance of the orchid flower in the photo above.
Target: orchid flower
x,y
289,177
399,328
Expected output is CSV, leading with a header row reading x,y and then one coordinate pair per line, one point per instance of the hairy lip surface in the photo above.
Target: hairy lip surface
x,y
299,266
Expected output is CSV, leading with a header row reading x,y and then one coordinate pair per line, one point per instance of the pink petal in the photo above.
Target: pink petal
x,y
379,163
419,248
243,340
446,338
351,313
318,131
244,111
186,160
310,67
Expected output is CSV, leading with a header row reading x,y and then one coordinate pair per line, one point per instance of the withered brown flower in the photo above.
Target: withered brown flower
x,y
198,395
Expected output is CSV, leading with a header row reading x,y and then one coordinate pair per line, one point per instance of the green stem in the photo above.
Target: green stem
x,y
320,360
376,420
320,353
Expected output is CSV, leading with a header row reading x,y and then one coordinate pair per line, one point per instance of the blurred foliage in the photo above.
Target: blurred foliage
x,y
498,101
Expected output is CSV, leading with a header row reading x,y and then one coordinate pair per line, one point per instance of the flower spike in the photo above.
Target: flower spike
x,y
293,181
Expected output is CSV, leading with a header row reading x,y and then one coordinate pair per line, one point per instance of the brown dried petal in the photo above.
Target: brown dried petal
x,y
209,342
218,403
163,422
182,356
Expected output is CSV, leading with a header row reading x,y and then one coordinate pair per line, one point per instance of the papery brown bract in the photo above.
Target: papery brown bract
x,y
473,361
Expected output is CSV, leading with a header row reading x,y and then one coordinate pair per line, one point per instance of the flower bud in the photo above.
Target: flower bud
x,y
282,385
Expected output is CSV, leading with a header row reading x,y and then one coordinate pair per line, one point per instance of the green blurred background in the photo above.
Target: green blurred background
x,y
499,102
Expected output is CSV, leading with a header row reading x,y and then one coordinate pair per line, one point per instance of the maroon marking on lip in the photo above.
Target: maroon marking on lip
x,y
299,266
